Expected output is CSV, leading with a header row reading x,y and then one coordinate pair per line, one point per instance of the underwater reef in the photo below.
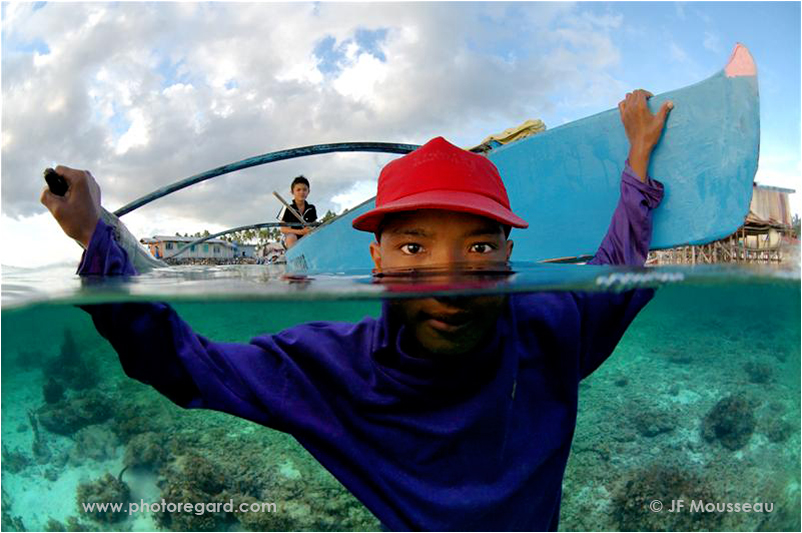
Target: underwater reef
x,y
700,405
663,483
180,456
694,405
731,422
70,368
75,412
108,489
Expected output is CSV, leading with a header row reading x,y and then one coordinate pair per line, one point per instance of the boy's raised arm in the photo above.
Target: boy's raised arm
x,y
630,231
606,316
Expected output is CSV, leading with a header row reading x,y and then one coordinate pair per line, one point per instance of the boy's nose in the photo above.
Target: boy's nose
x,y
453,302
447,256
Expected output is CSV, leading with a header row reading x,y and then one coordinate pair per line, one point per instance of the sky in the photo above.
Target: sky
x,y
145,94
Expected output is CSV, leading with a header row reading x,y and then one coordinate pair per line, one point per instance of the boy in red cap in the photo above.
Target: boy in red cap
x,y
443,413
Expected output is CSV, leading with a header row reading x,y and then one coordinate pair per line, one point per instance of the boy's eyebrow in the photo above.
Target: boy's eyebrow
x,y
489,229
415,232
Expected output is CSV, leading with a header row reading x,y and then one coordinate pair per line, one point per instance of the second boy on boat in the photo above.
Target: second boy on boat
x,y
300,191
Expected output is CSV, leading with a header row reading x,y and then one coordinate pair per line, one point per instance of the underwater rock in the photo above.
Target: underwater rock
x,y
54,525
93,442
53,391
51,474
70,367
73,524
69,415
29,359
731,422
9,522
641,487
778,430
192,479
136,412
653,423
107,489
41,452
758,372
126,426
258,520
202,474
622,381
182,492
146,450
677,356
14,461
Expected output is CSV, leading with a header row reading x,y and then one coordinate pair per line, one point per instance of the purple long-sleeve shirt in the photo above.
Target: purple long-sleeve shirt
x,y
477,443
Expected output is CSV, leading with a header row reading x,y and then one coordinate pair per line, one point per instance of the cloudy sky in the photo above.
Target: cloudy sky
x,y
146,94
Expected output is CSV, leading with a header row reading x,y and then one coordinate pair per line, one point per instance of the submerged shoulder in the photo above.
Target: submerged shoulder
x,y
324,338
543,305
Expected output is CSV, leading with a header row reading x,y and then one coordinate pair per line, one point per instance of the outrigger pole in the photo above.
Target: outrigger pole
x,y
390,148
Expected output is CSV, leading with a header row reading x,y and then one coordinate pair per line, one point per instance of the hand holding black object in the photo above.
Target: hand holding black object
x,y
56,182
77,209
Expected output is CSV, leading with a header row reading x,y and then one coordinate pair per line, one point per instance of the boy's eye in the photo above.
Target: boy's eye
x,y
411,248
482,248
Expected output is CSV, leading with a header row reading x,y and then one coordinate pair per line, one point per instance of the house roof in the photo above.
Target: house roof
x,y
183,240
769,207
772,188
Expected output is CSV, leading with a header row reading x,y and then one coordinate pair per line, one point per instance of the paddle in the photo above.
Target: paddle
x,y
290,208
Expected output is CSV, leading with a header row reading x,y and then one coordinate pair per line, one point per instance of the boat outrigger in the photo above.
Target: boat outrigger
x,y
565,181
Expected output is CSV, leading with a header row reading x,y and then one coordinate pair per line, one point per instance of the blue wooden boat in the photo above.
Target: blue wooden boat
x,y
565,181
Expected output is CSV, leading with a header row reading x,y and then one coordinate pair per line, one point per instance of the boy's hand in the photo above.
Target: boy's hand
x,y
642,127
78,211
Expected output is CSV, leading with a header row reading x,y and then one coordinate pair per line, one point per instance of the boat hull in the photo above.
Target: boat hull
x,y
565,182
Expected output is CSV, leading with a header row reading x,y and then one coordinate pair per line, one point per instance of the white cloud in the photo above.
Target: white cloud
x,y
711,42
36,240
358,193
137,134
677,53
142,94
360,80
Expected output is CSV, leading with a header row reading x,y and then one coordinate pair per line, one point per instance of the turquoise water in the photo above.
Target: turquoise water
x,y
711,341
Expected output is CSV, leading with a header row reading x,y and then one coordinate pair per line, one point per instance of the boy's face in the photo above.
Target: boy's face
x,y
443,239
300,192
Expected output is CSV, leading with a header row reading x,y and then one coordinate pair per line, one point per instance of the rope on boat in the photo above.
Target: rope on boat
x,y
390,148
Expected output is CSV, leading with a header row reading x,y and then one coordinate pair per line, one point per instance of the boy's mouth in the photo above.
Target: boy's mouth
x,y
448,323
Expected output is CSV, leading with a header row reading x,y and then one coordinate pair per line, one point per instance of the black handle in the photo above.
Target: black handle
x,y
56,182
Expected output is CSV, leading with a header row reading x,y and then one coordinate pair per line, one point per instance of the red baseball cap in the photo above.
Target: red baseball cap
x,y
439,175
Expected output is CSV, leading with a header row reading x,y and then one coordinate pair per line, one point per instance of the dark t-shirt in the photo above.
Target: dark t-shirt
x,y
309,214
